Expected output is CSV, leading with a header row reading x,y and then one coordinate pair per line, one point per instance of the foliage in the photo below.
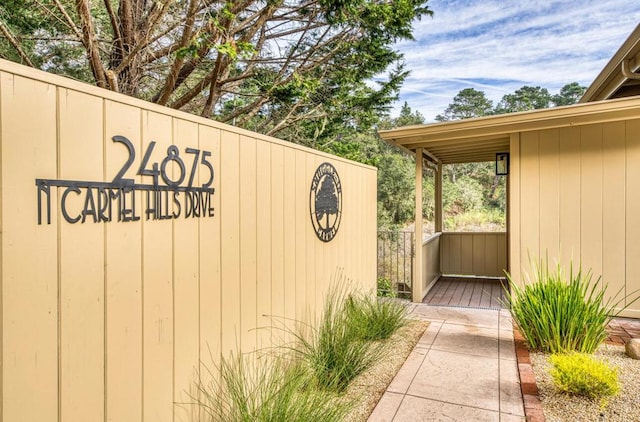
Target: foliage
x,y
466,104
525,98
298,69
556,314
396,174
569,94
406,117
373,318
396,188
269,389
581,373
335,350
463,194
484,219
385,287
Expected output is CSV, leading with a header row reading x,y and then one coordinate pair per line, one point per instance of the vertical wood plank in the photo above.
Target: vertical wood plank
x,y
479,253
29,252
373,229
491,254
569,195
290,224
466,254
455,253
123,273
444,253
81,261
302,227
157,285
265,232
502,254
530,198
209,251
613,206
591,198
230,237
311,276
418,276
550,193
282,306
248,228
514,210
186,278
632,266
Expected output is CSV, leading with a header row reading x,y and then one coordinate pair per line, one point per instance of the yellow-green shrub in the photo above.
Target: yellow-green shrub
x,y
580,373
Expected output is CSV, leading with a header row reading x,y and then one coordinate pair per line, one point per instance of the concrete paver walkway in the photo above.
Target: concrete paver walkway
x,y
463,368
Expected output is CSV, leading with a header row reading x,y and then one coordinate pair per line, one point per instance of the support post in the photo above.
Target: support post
x,y
416,283
438,199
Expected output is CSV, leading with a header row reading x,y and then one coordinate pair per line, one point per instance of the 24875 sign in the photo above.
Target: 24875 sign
x,y
170,195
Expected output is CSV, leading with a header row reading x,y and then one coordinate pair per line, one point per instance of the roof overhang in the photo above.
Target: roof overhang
x,y
479,139
612,82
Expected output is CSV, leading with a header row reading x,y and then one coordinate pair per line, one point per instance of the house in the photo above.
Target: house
x,y
573,185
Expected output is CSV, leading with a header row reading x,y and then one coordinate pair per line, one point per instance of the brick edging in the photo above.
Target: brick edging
x,y
530,395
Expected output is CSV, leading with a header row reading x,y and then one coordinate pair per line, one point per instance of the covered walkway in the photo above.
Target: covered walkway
x,y
471,292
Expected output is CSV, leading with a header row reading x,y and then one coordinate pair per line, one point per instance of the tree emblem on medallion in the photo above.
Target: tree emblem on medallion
x,y
325,202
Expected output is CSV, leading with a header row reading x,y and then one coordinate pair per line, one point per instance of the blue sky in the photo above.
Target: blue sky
x,y
498,46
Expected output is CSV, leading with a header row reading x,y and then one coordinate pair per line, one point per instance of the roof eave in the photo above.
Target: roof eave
x,y
611,79
502,125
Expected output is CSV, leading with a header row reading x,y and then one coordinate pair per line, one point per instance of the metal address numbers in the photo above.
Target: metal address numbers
x,y
83,201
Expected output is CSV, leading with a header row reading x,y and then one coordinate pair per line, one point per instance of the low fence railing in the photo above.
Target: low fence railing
x,y
395,262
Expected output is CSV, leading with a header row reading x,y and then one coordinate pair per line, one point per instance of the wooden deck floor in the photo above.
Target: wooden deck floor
x,y
467,292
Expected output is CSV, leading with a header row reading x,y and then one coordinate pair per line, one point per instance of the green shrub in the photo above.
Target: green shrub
x,y
269,389
558,315
582,374
334,350
374,319
385,288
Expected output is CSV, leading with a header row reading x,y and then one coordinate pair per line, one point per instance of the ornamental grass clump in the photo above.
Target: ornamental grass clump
x,y
582,374
335,349
269,389
556,314
375,319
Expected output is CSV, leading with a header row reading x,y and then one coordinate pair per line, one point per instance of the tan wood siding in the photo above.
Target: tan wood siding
x,y
587,180
111,320
481,254
431,253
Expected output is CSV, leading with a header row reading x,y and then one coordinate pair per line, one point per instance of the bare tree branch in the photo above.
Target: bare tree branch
x,y
89,41
67,18
115,26
15,44
171,79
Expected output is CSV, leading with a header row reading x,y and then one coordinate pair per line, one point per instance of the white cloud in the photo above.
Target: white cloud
x,y
499,46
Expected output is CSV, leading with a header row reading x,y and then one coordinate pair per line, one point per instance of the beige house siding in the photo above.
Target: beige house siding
x,y
575,195
431,262
109,321
480,254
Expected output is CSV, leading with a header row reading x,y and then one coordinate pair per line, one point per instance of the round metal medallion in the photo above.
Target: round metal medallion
x,y
325,202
